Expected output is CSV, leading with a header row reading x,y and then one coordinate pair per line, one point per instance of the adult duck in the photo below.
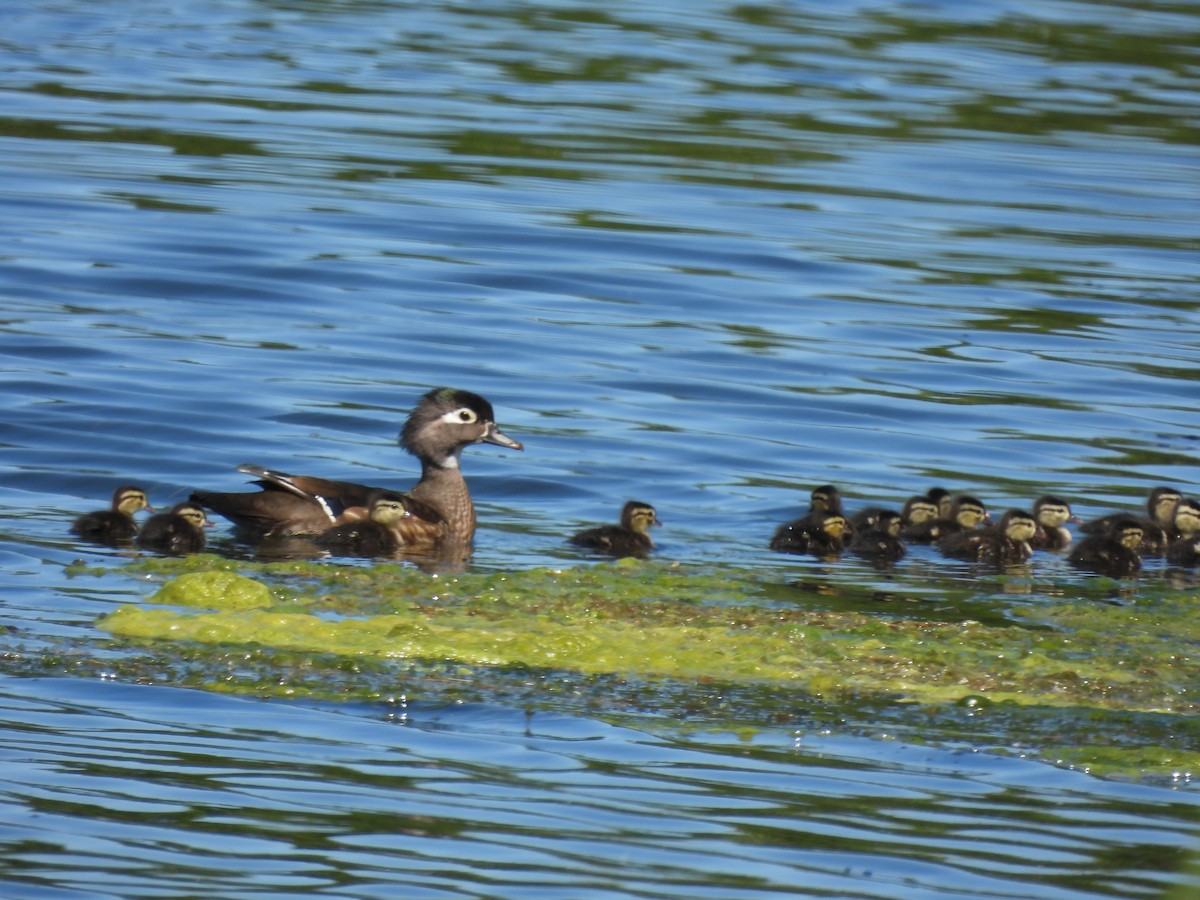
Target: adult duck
x,y
440,509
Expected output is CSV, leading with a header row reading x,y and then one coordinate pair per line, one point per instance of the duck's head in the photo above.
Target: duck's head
x,y
943,500
1051,512
919,509
129,499
1127,531
826,498
969,511
387,508
1162,504
890,522
833,524
1187,517
445,420
192,513
1018,525
638,516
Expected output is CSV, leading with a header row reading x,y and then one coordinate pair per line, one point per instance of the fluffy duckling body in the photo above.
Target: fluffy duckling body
x,y
1004,543
379,534
1052,515
1184,550
879,539
968,513
1157,525
178,531
630,538
1113,552
821,534
823,500
116,524
441,512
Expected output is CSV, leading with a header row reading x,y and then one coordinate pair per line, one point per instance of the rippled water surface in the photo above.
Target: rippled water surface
x,y
706,254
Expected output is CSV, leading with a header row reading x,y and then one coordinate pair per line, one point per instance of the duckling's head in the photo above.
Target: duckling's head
x,y
826,498
1127,531
387,508
193,514
891,522
919,509
943,500
129,499
638,516
1187,517
969,512
833,524
445,420
1162,504
1018,525
1051,512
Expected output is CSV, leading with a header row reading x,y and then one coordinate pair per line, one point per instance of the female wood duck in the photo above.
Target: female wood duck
x,y
1157,525
967,514
1052,515
879,539
380,534
1002,544
1113,552
181,530
822,534
116,524
630,538
439,505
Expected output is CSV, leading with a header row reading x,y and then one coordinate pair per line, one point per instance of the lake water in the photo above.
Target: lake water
x,y
705,254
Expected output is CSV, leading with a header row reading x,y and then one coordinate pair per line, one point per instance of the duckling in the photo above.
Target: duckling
x,y
943,500
1157,524
116,524
968,513
441,513
1184,550
880,542
1052,515
1113,552
630,538
1003,543
181,530
822,500
377,535
821,534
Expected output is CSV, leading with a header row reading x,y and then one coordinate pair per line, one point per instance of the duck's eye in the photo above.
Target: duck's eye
x,y
464,415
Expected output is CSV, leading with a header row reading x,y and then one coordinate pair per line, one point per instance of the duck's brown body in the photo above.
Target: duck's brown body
x,y
116,524
439,505
630,538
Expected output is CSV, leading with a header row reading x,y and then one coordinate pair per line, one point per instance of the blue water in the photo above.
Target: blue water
x,y
707,255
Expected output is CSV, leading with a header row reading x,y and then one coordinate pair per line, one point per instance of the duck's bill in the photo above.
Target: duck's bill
x,y
495,436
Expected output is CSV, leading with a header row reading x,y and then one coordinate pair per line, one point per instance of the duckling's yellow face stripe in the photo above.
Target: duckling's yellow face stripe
x,y
132,501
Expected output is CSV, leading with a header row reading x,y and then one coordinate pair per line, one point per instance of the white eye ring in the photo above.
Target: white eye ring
x,y
464,415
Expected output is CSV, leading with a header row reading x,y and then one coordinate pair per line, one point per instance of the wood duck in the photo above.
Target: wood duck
x,y
918,509
1004,543
1157,525
1112,552
1184,550
115,524
441,513
879,540
967,514
943,500
1052,515
380,534
821,534
630,538
822,500
181,530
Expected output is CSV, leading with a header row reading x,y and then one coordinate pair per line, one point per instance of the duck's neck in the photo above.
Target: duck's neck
x,y
443,488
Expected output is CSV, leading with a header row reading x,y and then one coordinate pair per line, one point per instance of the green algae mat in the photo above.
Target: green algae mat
x,y
1112,687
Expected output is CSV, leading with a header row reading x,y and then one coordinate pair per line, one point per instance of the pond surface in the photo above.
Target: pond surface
x,y
704,254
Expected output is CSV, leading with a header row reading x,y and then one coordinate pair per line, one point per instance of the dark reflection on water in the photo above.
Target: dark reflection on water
x,y
708,255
